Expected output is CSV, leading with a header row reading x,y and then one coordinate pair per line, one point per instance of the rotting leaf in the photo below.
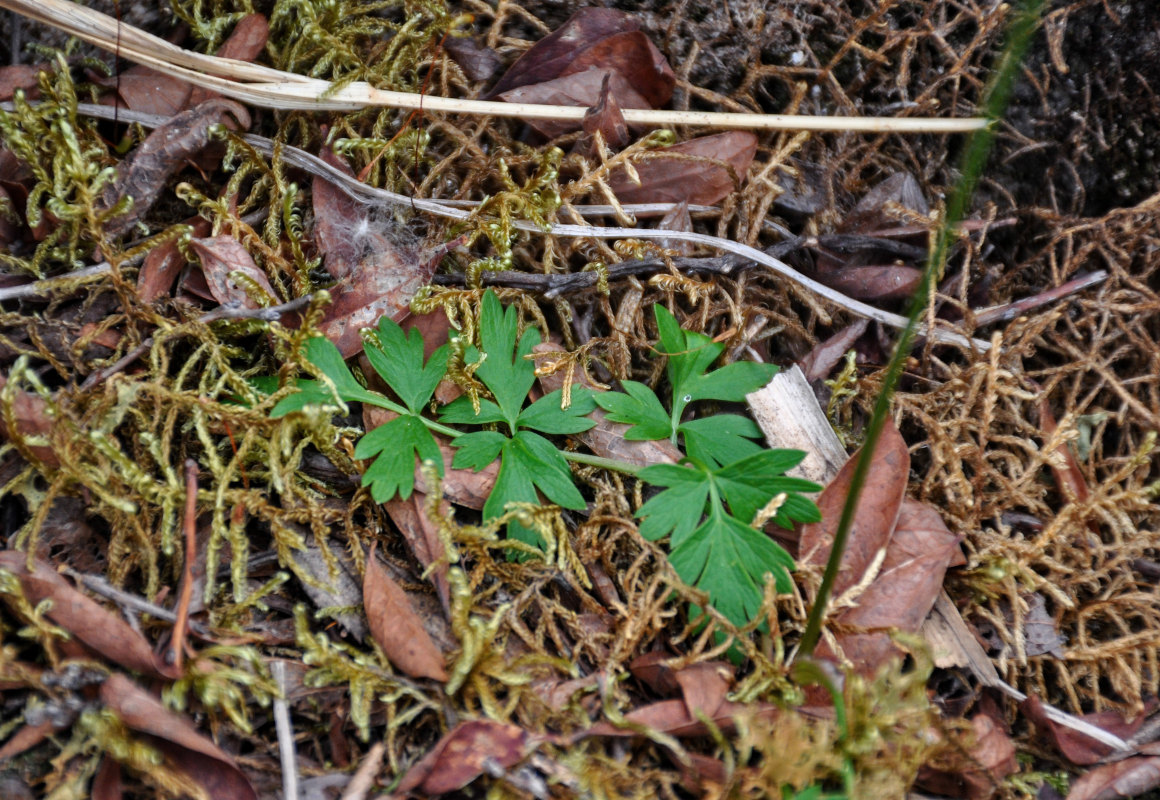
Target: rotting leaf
x,y
30,418
221,257
678,219
870,283
396,627
377,277
700,171
875,518
462,754
186,749
245,43
146,90
164,263
423,538
98,628
1040,633
20,76
818,363
143,175
1132,777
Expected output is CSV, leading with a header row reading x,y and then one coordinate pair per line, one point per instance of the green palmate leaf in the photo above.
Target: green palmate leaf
x,y
394,446
505,371
689,356
720,439
708,514
398,358
326,358
639,407
729,560
545,414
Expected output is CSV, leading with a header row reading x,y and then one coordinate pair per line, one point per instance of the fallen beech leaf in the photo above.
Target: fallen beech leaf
x,y
186,749
1069,476
376,275
633,56
396,627
1077,748
246,43
821,360
164,263
20,76
146,90
676,174
460,756
31,419
478,62
144,173
904,591
549,57
575,89
886,282
604,117
221,257
422,537
91,623
876,515
678,219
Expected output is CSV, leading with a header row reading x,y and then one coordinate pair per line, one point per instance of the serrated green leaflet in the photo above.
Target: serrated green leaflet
x,y
398,358
708,513
528,461
713,440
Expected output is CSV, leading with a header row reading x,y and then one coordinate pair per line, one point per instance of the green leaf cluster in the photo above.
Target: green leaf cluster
x,y
711,505
714,440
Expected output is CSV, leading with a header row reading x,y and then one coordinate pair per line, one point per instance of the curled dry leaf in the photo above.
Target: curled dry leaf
x,y
146,90
870,283
144,173
821,360
604,117
462,755
677,219
30,419
701,171
98,628
183,747
876,515
1132,777
576,89
396,627
164,263
223,260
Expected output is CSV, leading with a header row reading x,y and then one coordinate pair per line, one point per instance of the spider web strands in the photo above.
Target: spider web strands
x,y
369,194
271,88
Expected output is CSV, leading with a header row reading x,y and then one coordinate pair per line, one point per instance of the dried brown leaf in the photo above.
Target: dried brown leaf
x,y
604,117
821,360
1069,476
31,418
20,76
681,174
164,263
1131,777
549,57
422,537
1076,747
91,623
221,257
884,282
633,56
477,61
876,515
461,755
187,750
245,43
107,782
905,590
575,89
26,737
148,91
396,627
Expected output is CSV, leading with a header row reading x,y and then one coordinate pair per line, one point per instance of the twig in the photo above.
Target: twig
x,y
176,654
364,777
273,88
267,314
1009,311
98,585
286,750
